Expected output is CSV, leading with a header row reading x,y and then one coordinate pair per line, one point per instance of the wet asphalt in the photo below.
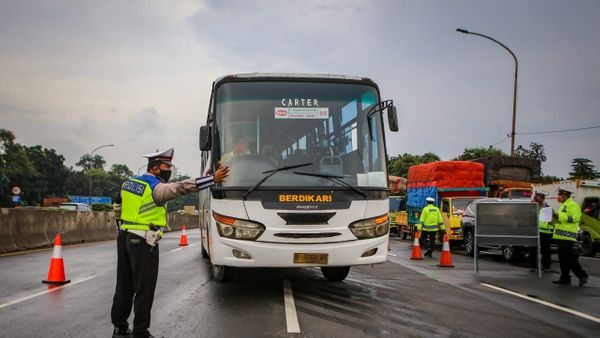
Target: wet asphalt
x,y
401,298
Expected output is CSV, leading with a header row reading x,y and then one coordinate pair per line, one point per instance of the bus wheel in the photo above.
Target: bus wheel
x,y
335,273
221,273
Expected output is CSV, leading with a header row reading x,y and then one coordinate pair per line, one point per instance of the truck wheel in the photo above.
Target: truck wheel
x,y
221,273
587,246
510,253
335,273
469,243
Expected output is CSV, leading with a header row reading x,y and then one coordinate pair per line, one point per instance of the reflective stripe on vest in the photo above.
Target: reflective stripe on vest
x,y
565,233
430,227
138,206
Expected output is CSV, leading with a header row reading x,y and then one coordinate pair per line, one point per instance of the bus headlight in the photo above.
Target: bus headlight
x,y
235,228
371,227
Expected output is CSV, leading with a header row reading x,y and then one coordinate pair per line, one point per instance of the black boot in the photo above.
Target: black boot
x,y
122,332
562,281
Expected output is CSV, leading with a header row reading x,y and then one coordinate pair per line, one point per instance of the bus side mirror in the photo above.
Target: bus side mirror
x,y
205,138
392,118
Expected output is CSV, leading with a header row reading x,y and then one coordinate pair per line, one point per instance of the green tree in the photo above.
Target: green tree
x,y
17,169
583,169
479,152
549,179
535,152
76,183
52,174
88,162
398,165
120,171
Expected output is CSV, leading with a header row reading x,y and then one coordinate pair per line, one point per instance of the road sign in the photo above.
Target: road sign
x,y
92,200
16,190
16,199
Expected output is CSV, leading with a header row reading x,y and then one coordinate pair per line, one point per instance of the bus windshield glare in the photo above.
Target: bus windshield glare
x,y
262,126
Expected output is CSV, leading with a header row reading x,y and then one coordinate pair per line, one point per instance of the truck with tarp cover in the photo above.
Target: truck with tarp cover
x,y
453,185
510,177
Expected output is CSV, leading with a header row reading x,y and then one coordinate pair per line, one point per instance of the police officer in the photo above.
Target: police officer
x,y
545,237
143,216
565,235
430,222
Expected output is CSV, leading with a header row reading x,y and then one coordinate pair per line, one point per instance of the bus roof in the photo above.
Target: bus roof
x,y
298,76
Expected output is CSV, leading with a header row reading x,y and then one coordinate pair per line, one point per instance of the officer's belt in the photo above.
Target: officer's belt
x,y
140,233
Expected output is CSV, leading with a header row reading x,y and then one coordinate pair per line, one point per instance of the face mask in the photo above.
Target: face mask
x,y
165,175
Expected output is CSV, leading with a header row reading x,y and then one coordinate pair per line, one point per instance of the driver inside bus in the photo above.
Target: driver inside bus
x,y
239,148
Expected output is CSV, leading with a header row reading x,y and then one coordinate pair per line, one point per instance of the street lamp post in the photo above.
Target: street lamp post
x,y
89,174
514,111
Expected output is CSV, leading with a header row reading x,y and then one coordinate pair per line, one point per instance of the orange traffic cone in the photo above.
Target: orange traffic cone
x,y
56,273
183,240
416,250
446,257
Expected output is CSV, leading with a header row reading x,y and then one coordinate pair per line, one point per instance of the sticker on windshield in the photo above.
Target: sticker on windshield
x,y
301,113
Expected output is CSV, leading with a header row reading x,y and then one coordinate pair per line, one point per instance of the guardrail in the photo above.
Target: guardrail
x,y
23,229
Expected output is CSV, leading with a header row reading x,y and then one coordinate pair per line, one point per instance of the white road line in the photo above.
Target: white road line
x,y
45,292
391,254
552,305
291,318
175,249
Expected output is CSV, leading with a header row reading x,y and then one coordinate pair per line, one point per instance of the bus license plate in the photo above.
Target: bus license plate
x,y
311,258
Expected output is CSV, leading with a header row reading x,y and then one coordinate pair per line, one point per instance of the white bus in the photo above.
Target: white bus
x,y
308,177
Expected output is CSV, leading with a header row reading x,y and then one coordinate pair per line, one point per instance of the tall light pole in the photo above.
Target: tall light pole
x,y
90,176
514,112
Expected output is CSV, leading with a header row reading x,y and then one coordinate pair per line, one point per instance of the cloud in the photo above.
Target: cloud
x,y
145,124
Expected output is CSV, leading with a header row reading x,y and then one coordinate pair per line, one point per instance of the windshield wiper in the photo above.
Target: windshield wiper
x,y
271,173
333,178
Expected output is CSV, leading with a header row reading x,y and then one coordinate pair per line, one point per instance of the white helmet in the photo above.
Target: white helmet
x,y
430,199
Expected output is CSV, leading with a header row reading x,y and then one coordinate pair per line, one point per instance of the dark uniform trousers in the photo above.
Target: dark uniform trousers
x,y
545,241
137,272
425,236
567,258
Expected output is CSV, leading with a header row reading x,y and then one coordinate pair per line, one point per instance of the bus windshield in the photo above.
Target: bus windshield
x,y
264,125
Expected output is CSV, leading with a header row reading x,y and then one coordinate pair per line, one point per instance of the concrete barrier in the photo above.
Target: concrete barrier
x,y
22,229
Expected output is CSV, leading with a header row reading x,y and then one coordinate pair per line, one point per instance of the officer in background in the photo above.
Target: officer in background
x,y
565,235
545,237
143,216
430,222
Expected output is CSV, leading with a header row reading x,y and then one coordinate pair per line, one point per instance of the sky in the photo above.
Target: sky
x,y
76,75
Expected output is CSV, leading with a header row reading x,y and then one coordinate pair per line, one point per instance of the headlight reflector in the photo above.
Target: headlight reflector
x,y
235,228
371,227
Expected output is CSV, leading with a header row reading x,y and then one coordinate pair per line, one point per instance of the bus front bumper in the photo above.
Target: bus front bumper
x,y
261,254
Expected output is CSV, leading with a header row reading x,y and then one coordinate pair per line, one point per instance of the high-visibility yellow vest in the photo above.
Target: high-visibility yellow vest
x,y
431,219
138,206
545,227
567,226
